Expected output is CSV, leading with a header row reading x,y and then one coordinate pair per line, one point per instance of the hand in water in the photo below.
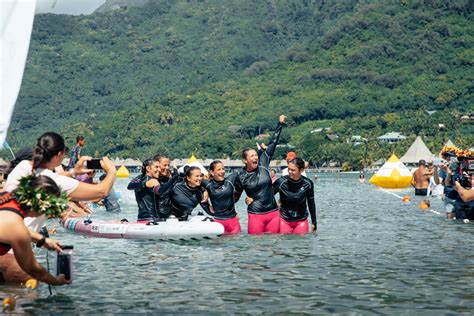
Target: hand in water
x,y
248,200
314,228
152,183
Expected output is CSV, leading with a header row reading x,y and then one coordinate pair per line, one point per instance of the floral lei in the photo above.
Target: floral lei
x,y
39,200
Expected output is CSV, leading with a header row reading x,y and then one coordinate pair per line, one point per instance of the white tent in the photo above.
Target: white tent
x,y
16,23
417,151
449,143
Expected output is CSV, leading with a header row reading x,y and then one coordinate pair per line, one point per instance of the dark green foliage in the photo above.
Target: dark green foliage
x,y
208,76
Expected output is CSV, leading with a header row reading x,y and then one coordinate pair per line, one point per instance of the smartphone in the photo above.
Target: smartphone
x,y
63,264
93,164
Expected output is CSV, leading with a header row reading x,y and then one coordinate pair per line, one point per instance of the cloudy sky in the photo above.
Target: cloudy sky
x,y
67,6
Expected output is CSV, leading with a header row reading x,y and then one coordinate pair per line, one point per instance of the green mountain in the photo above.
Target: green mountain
x,y
208,76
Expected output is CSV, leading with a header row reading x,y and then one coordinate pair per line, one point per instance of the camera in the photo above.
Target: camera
x,y
63,264
93,164
462,169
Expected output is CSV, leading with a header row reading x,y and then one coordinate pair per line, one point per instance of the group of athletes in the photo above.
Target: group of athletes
x,y
162,191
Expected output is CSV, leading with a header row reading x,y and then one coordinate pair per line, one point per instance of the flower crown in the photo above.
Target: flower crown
x,y
39,200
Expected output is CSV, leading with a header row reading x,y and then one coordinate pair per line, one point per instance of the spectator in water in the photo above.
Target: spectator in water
x,y
291,155
421,179
75,153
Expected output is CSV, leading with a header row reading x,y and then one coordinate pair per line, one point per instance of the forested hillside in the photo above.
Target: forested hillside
x,y
209,75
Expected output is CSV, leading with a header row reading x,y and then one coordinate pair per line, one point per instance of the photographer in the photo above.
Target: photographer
x,y
467,195
447,171
454,182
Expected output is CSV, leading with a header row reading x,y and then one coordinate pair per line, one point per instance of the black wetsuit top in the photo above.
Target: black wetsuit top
x,y
258,183
147,198
294,196
223,195
180,200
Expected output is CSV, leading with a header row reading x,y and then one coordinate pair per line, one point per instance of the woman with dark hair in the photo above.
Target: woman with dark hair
x,y
256,180
182,197
34,196
224,192
49,153
296,197
146,187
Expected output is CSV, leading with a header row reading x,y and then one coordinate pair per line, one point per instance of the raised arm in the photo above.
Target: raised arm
x,y
270,150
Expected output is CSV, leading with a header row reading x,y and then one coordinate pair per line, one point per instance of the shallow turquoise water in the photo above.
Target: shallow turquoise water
x,y
371,255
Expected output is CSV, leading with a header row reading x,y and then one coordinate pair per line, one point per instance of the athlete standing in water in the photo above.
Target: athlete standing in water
x,y
296,196
256,180
224,192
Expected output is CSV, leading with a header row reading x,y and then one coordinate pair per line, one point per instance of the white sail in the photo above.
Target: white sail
x,y
16,23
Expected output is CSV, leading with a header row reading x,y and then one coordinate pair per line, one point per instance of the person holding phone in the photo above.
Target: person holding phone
x,y
48,154
264,216
28,200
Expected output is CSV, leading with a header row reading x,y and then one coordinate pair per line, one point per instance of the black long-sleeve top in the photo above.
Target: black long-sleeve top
x,y
258,183
147,198
180,200
296,198
223,195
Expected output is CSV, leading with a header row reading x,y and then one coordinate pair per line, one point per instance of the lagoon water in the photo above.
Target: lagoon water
x,y
371,255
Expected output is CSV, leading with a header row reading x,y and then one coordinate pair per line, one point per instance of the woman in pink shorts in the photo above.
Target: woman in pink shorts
x,y
224,192
296,196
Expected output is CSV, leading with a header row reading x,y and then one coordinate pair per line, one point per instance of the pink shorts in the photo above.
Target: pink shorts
x,y
299,227
231,225
264,223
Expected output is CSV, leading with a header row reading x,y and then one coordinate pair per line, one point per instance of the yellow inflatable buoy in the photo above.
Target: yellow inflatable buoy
x,y
123,172
8,304
31,284
393,175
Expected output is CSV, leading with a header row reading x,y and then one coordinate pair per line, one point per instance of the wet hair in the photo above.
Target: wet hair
x,y
245,152
213,164
79,138
145,164
298,162
158,157
189,169
422,163
48,145
38,182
